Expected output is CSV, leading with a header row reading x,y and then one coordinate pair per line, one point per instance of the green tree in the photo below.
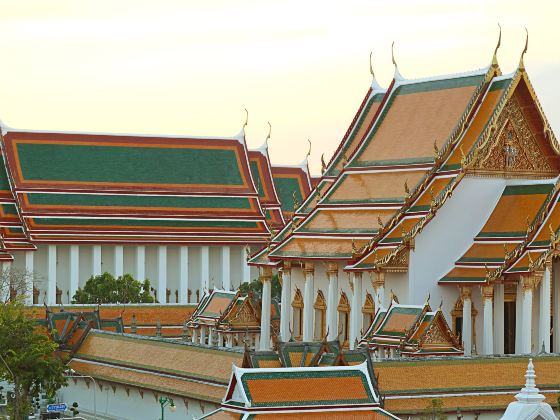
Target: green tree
x,y
105,288
255,286
434,410
27,359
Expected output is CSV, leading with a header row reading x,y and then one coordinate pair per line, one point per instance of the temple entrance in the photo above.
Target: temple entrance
x,y
509,327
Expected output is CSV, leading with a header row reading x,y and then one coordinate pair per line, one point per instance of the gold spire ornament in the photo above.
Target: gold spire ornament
x,y
521,61
380,222
246,119
406,189
323,164
495,56
296,202
397,72
436,151
531,262
355,249
269,132
371,66
309,151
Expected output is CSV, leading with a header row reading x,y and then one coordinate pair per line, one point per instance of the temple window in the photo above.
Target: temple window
x,y
320,307
368,312
297,307
343,318
457,320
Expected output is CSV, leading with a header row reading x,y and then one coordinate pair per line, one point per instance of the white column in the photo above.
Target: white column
x,y
527,313
202,334
266,278
74,269
499,325
229,341
285,304
119,260
308,302
356,309
556,306
488,320
245,268
544,311
205,268
332,319
518,316
96,260
194,336
220,339
226,269
141,263
6,267
184,274
29,277
162,274
467,320
51,277
379,289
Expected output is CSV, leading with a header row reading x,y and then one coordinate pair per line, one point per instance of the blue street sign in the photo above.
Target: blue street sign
x,y
57,408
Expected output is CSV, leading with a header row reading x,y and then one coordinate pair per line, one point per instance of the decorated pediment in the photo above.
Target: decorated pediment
x,y
515,147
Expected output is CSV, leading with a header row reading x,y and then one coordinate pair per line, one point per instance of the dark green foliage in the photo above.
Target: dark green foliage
x,y
256,287
27,359
105,288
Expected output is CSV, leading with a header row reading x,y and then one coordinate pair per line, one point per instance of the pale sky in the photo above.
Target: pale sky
x,y
191,67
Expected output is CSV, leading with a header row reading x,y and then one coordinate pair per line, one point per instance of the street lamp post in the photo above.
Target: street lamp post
x,y
71,373
164,402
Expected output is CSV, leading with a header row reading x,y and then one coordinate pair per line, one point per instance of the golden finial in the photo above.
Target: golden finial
x,y
440,304
309,152
403,232
436,150
552,233
246,118
323,164
397,73
487,269
521,62
269,132
428,299
296,202
406,189
463,157
379,222
495,56
371,66
531,262
354,248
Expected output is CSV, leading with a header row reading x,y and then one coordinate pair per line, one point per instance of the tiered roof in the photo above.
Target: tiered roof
x,y
324,392
262,175
100,187
293,185
413,330
507,227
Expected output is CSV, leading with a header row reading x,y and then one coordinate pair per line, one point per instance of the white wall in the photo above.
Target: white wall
x,y
118,405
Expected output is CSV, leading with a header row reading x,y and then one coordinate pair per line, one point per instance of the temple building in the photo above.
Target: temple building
x,y
183,212
444,186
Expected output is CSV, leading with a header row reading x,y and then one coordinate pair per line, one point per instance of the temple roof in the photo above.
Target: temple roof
x,y
160,365
507,226
415,330
105,187
291,182
477,384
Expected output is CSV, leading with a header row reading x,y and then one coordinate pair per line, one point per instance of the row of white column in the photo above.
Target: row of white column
x,y
161,283
332,313
493,315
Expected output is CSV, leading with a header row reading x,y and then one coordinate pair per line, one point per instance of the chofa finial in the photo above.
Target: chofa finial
x,y
246,118
268,135
495,56
309,151
397,73
371,66
374,84
521,62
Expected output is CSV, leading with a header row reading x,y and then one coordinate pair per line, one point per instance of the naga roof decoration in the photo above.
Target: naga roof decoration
x,y
414,330
101,187
293,185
